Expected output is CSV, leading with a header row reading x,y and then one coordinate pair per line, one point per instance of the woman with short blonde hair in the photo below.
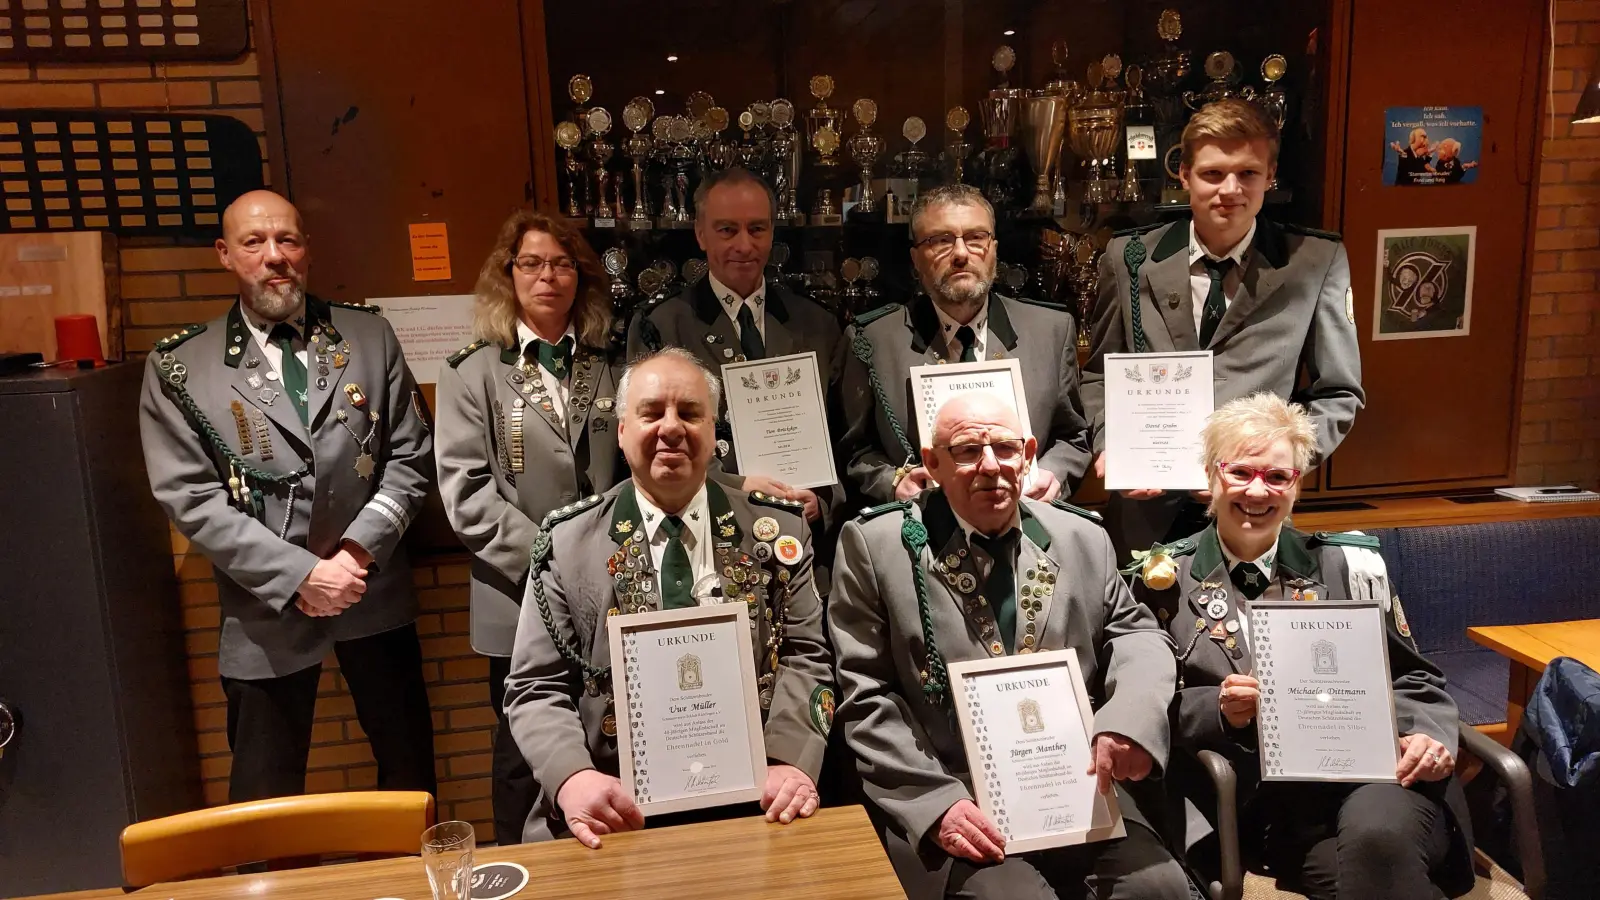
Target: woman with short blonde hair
x,y
1325,840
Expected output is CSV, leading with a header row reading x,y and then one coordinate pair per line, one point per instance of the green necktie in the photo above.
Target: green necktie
x,y
1001,587
969,343
749,335
555,358
1249,579
1216,298
677,577
292,369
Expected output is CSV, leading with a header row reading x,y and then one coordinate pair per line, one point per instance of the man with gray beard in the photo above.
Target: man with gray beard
x,y
954,250
289,445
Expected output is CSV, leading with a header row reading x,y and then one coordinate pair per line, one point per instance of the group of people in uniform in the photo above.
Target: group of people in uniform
x,y
590,476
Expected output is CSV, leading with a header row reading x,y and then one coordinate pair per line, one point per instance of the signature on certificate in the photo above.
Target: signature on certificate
x,y
1336,764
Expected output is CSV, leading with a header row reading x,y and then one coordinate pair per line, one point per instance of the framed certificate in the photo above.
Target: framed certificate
x,y
1326,711
690,731
932,385
1027,727
1156,404
780,423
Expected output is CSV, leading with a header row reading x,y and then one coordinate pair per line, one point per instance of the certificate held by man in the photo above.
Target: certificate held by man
x,y
1326,711
780,424
1156,404
1025,721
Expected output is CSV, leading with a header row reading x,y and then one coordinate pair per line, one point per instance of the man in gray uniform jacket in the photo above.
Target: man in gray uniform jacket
x,y
1271,302
665,539
288,443
921,584
962,320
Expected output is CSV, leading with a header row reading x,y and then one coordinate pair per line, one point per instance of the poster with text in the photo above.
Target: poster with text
x,y
1424,284
1426,146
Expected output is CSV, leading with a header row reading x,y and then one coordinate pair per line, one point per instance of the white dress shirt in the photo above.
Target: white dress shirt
x,y
1200,279
731,301
261,330
696,538
980,328
555,387
1266,562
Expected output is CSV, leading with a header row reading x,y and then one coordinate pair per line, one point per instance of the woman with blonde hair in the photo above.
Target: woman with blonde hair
x,y
526,424
1323,839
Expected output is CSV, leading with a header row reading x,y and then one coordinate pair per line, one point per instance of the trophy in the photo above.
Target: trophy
x,y
775,262
869,272
1085,278
1044,118
823,118
1051,273
568,137
999,121
636,116
707,129
668,274
1136,115
1165,76
1223,72
680,158
913,162
580,89
1061,83
850,271
650,284
786,162
824,212
1094,126
694,270
600,150
615,261
1273,100
864,149
957,120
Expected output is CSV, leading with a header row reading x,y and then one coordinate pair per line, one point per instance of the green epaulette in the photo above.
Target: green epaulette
x,y
361,306
1182,547
872,315
872,512
1142,229
1312,232
1089,514
455,359
168,343
556,516
1056,307
764,499
1344,539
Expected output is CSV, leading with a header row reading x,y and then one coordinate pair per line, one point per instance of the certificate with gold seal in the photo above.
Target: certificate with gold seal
x,y
1027,727
688,715
777,409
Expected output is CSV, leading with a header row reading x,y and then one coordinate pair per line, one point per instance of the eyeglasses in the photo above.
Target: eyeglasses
x,y
1276,478
1005,452
944,242
533,265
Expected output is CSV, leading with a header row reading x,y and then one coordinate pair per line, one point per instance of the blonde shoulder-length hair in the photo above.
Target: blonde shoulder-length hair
x,y
1252,424
497,311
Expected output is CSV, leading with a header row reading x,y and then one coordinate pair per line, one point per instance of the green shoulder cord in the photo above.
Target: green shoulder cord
x,y
1133,256
592,677
862,346
935,679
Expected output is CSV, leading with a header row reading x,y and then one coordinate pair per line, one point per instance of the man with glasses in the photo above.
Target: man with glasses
x,y
289,445
971,570
1272,303
962,319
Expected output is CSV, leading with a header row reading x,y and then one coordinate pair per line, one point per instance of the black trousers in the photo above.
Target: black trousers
x,y
513,790
1373,841
269,720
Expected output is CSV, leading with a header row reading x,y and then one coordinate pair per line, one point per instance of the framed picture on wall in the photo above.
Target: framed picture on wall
x,y
1424,287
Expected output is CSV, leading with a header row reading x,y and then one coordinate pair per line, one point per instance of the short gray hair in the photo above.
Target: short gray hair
x,y
713,383
948,194
733,175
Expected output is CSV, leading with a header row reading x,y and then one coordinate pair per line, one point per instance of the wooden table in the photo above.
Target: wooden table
x,y
1531,647
834,854
1411,512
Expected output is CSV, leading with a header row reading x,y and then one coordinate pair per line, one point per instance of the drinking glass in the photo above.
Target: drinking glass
x,y
447,854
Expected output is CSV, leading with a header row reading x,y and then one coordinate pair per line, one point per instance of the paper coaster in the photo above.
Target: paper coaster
x,y
498,880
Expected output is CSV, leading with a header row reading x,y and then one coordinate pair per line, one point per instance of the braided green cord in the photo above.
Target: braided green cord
x,y
1133,256
209,433
937,679
568,650
862,345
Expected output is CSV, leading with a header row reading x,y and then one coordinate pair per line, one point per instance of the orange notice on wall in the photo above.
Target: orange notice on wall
x,y
430,252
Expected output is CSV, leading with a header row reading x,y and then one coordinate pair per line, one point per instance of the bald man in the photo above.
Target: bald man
x,y
980,547
289,445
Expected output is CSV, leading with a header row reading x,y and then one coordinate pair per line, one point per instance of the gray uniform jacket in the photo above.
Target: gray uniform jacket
x,y
208,415
505,462
1315,567
1294,315
884,344
908,748
560,706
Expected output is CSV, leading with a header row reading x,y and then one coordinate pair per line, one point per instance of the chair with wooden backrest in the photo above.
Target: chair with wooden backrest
x,y
193,843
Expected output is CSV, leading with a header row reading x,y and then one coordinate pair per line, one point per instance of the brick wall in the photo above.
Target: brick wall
x,y
1560,438
166,285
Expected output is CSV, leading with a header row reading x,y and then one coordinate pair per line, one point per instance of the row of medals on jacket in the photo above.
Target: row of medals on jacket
x,y
513,460
636,591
